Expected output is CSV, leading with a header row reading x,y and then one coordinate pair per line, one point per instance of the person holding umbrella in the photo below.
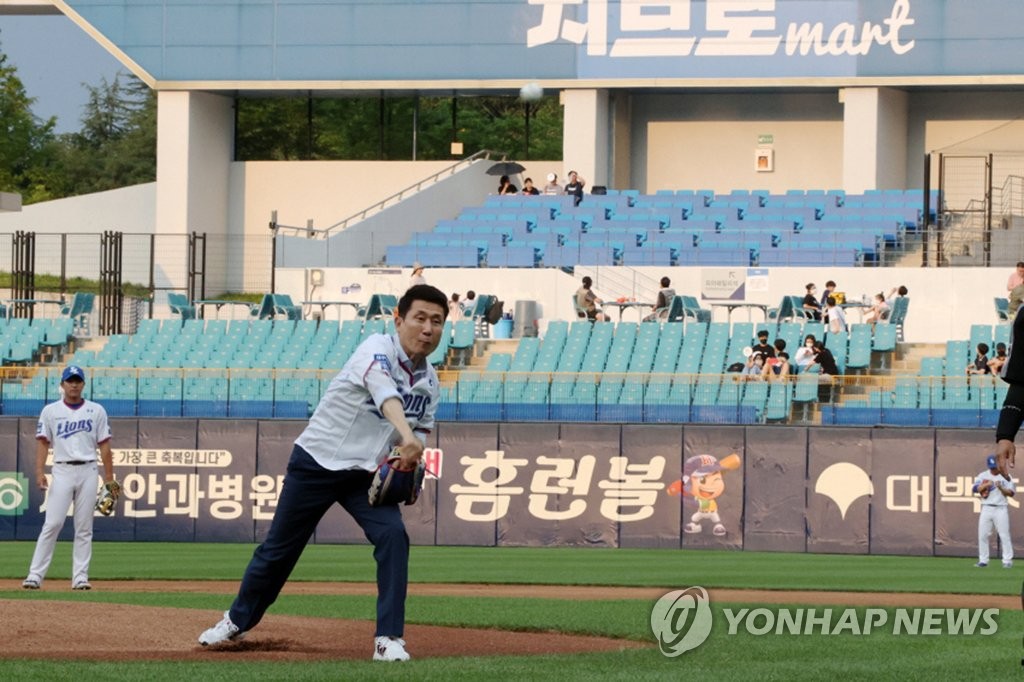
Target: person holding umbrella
x,y
505,186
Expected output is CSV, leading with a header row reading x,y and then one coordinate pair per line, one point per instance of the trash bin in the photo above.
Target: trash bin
x,y
525,319
503,329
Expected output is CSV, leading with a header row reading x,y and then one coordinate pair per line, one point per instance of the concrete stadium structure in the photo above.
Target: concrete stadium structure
x,y
657,95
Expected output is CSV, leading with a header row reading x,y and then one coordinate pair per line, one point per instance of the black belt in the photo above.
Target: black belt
x,y
74,464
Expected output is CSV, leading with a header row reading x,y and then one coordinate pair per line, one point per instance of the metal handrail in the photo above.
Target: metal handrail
x,y
312,232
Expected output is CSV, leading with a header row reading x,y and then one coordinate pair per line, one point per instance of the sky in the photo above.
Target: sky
x,y
53,58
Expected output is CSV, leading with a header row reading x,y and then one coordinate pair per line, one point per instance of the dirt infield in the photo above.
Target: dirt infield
x,y
155,633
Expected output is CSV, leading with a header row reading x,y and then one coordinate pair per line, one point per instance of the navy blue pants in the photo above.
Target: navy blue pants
x,y
309,491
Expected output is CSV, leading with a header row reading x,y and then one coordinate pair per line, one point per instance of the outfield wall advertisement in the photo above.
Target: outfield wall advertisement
x,y
763,488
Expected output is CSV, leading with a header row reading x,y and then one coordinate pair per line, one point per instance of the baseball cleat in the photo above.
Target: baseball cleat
x,y
83,585
224,631
30,584
389,649
1007,564
980,564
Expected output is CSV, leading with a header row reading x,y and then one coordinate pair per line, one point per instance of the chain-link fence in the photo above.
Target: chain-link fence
x,y
128,273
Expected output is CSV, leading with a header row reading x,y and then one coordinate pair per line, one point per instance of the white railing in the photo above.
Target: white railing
x,y
397,197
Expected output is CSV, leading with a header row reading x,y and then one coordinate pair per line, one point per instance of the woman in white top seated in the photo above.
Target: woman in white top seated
x,y
805,354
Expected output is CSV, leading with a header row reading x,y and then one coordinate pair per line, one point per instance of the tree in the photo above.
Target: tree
x,y
26,143
116,146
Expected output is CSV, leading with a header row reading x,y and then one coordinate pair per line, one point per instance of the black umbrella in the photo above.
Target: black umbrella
x,y
506,168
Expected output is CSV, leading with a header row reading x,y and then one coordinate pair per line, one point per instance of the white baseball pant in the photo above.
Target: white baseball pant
x,y
994,518
69,483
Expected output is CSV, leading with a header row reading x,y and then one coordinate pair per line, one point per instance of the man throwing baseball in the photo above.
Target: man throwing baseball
x,y
385,397
75,427
994,488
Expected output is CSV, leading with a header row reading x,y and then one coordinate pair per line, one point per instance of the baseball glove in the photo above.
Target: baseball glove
x,y
108,496
392,485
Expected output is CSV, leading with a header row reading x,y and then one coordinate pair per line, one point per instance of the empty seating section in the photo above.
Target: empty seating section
x,y
681,228
941,394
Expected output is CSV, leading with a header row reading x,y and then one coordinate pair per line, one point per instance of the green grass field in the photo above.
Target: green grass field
x,y
881,655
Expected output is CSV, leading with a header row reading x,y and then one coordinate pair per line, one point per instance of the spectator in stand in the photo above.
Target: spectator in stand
x,y
824,359
753,369
505,186
897,292
588,302
762,346
779,367
469,303
980,364
995,365
805,354
417,275
575,187
836,318
528,187
664,300
552,187
811,305
830,287
1016,296
1016,278
454,309
878,311
776,358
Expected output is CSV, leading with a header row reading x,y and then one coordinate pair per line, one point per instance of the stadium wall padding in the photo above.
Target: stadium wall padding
x,y
852,490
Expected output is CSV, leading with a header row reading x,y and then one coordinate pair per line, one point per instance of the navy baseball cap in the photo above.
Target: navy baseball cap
x,y
72,372
991,462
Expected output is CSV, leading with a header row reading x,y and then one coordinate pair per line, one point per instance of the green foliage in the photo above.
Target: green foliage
x,y
667,568
362,128
51,283
880,656
26,143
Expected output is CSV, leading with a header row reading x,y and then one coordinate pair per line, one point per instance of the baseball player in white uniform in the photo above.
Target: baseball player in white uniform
x,y
994,489
385,396
75,428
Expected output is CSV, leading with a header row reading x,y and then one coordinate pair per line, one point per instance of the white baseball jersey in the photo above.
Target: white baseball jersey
x,y
347,429
74,431
995,497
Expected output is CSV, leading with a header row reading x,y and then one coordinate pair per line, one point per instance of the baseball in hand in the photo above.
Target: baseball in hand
x,y
531,92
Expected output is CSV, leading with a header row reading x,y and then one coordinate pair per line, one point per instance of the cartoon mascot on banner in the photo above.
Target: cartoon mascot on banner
x,y
702,480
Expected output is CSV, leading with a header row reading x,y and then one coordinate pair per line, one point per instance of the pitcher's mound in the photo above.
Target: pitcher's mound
x,y
117,632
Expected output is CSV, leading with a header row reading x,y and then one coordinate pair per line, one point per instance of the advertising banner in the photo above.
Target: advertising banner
x,y
840,489
475,487
763,488
16,479
224,489
118,526
159,496
556,478
273,450
902,470
711,485
959,457
655,458
776,489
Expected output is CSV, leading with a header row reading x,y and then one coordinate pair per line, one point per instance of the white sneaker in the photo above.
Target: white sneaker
x,y
82,585
389,649
224,631
31,584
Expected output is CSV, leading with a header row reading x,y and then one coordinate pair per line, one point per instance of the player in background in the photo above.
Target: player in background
x,y
385,396
75,427
994,489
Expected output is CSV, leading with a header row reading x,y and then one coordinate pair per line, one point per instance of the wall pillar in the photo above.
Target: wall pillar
x,y
874,139
585,136
195,139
